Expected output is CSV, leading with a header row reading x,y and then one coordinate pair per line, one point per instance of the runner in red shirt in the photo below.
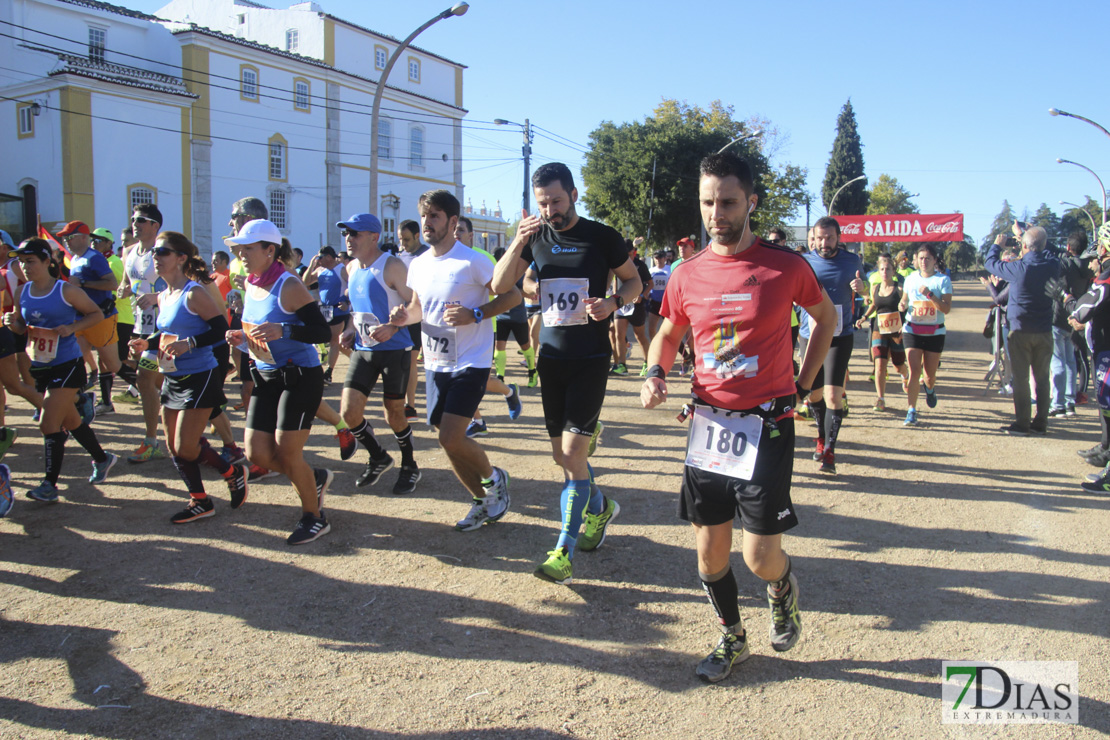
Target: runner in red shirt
x,y
735,298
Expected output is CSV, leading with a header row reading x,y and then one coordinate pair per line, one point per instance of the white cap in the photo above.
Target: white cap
x,y
259,230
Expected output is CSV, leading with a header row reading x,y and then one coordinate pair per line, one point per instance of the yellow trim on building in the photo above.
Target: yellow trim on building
x,y
278,139
329,42
308,95
257,83
399,174
458,87
145,186
408,68
75,108
186,175
19,108
385,59
194,63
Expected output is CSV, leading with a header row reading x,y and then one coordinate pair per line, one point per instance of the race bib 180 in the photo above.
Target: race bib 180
x,y
724,443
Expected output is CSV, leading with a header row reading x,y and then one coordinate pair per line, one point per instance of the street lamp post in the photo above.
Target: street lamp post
x,y
1101,188
457,9
1094,229
1058,112
828,211
526,150
738,139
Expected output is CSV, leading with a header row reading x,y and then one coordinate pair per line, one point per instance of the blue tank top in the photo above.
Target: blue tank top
x,y
48,312
263,305
174,317
371,302
331,290
91,267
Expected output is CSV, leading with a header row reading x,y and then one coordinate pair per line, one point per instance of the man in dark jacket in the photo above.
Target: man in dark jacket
x,y
1030,315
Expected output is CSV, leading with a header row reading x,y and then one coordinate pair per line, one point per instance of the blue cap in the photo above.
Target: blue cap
x,y
361,222
6,238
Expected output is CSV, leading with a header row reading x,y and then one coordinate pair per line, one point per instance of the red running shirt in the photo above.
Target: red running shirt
x,y
738,308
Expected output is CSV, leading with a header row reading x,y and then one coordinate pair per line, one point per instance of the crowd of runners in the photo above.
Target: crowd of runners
x,y
765,332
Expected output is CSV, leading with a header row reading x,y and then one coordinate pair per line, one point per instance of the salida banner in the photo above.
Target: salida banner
x,y
902,227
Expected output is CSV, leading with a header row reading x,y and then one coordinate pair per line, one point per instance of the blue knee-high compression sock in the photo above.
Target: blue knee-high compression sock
x,y
597,501
574,499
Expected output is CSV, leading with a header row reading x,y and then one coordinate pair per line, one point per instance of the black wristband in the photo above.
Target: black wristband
x,y
656,371
802,392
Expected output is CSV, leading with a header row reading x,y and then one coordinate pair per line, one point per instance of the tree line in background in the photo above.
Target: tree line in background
x,y
1086,219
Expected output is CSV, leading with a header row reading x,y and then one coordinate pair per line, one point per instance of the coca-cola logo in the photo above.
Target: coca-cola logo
x,y
951,227
849,228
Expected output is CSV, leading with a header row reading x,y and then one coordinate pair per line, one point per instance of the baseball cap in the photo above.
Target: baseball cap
x,y
35,249
361,222
74,227
7,238
686,242
103,234
1104,235
258,230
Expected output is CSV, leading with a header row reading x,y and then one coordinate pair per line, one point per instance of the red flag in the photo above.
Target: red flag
x,y
54,243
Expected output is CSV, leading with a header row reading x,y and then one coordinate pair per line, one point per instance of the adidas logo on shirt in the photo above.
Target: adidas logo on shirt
x,y
751,281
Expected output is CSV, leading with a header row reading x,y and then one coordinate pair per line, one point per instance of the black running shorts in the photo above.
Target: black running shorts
x,y
572,392
200,390
285,399
458,393
518,329
70,374
927,342
835,368
391,365
763,503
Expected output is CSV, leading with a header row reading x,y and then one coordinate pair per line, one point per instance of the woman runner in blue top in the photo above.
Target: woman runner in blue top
x,y
51,312
189,324
281,323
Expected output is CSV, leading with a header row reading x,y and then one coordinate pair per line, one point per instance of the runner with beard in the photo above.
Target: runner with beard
x,y
573,258
733,302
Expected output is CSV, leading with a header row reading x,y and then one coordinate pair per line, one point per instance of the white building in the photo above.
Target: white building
x,y
210,101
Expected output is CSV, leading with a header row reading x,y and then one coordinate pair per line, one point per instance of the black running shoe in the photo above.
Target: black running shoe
x,y
410,414
309,529
406,480
198,508
786,622
718,664
237,485
374,469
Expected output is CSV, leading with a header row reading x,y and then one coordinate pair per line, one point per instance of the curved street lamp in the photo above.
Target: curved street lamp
x,y
1058,112
1100,186
828,211
738,139
457,9
1085,212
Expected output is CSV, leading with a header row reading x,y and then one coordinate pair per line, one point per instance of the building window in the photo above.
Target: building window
x,y
278,209
380,57
242,19
97,39
248,83
385,139
301,94
414,69
140,193
278,153
292,36
389,226
26,113
416,147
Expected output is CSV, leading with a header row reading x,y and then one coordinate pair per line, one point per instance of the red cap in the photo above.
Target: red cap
x,y
686,242
74,227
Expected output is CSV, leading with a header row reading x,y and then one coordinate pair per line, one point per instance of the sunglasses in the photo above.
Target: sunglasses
x,y
143,220
350,232
240,215
163,251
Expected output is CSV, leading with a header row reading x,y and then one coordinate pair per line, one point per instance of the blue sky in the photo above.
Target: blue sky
x,y
951,98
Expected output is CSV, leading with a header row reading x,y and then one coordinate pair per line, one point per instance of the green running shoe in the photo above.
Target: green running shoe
x,y
718,664
597,525
557,568
595,438
786,622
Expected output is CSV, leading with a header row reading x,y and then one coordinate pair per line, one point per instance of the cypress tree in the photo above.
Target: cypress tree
x,y
846,163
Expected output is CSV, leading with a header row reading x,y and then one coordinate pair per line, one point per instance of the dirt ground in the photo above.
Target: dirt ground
x,y
949,541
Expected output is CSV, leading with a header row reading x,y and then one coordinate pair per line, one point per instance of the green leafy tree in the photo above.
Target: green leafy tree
x,y
846,164
961,255
886,196
1046,219
1074,219
618,171
1002,223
